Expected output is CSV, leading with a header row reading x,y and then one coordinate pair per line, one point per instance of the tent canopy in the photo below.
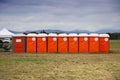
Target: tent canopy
x,y
5,33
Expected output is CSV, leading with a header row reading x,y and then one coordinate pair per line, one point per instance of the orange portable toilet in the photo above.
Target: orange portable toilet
x,y
73,42
63,43
93,42
31,43
83,42
19,43
42,43
104,42
52,42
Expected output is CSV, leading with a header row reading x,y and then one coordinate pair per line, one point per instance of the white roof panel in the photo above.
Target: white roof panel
x,y
42,34
19,35
62,34
83,34
93,34
31,34
73,34
104,35
52,34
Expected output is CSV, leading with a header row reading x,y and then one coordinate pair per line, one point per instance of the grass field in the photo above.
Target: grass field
x,y
115,46
84,66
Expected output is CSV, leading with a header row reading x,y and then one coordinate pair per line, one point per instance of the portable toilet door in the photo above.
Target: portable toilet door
x,y
104,43
52,42
42,43
93,42
73,42
31,43
19,43
63,43
83,42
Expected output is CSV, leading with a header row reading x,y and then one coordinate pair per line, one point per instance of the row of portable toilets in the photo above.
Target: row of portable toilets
x,y
62,43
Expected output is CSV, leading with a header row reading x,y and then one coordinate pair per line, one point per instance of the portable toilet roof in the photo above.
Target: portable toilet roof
x,y
62,35
42,35
93,34
52,34
104,35
31,34
83,34
18,35
73,34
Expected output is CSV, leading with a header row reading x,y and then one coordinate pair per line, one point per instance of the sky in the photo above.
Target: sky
x,y
91,15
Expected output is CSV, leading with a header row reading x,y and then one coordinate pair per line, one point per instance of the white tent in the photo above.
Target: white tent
x,y
4,33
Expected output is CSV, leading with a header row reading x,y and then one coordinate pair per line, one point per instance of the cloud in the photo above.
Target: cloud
x,y
92,15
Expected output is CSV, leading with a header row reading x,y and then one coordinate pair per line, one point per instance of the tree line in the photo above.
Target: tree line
x,y
114,36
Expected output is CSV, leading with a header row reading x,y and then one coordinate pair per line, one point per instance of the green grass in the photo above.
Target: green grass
x,y
115,43
62,66
115,46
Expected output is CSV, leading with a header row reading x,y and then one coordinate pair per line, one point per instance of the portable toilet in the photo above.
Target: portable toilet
x,y
42,43
52,42
83,42
73,42
93,42
63,43
19,43
104,42
31,43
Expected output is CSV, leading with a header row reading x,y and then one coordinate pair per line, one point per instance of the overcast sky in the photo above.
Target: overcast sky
x,y
92,15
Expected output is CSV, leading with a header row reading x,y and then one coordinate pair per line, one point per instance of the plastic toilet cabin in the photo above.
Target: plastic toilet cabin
x,y
63,43
104,43
83,42
93,42
19,43
31,43
73,43
52,42
42,43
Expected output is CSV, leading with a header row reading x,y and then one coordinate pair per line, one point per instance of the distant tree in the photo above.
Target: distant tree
x,y
114,36
43,31
34,32
25,33
58,32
